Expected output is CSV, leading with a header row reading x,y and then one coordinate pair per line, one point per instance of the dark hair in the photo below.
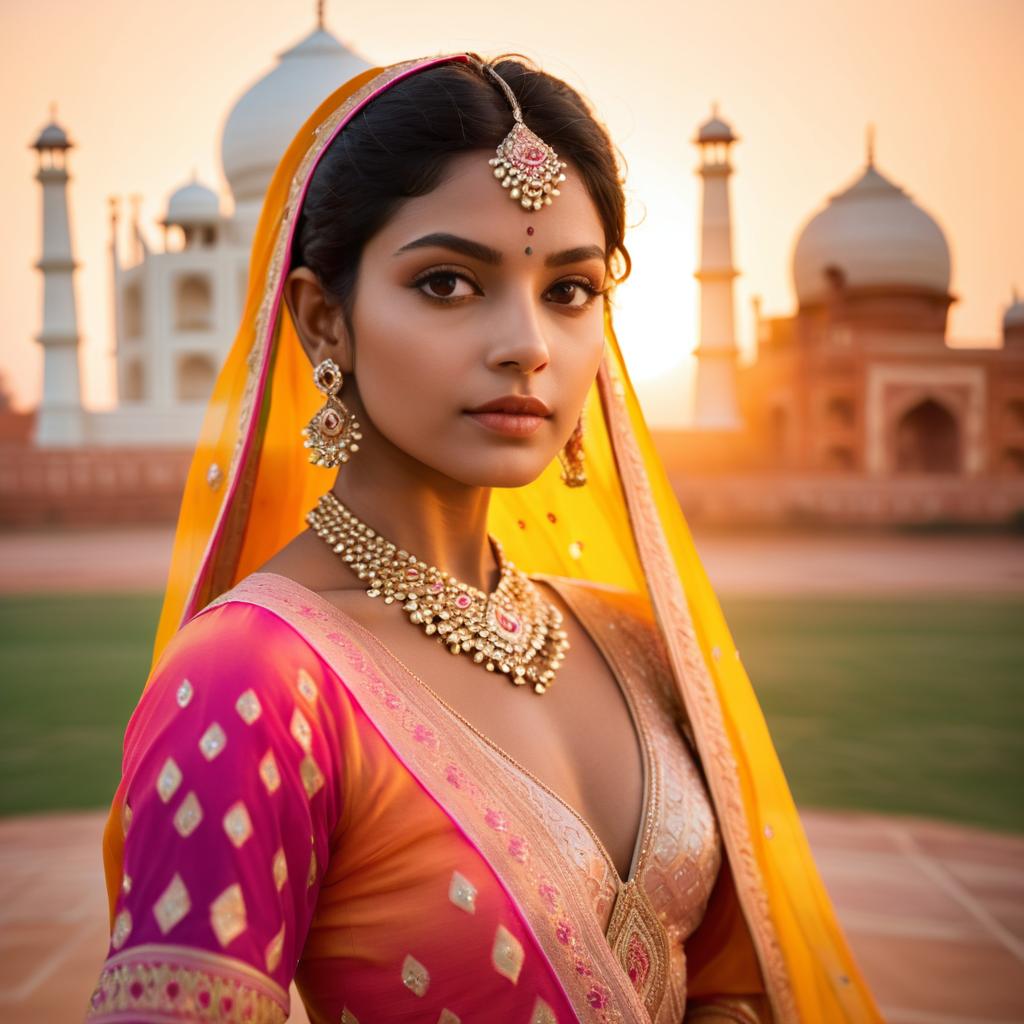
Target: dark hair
x,y
399,145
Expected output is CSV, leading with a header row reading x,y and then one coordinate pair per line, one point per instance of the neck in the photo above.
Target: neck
x,y
439,520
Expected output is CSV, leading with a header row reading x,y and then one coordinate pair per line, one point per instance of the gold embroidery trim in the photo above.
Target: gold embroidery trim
x,y
640,944
192,983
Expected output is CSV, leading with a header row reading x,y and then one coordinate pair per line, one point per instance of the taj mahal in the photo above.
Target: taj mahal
x,y
857,387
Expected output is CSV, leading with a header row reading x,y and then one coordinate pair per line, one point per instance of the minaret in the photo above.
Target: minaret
x,y
715,404
60,420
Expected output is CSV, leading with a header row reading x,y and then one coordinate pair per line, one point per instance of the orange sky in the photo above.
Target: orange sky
x,y
144,88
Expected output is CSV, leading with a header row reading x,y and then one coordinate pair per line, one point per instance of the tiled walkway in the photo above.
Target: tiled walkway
x,y
935,914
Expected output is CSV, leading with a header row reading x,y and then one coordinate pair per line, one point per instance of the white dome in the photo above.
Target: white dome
x,y
52,137
715,130
265,118
193,203
875,234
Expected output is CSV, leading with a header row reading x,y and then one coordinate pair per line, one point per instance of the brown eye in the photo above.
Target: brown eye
x,y
576,294
441,284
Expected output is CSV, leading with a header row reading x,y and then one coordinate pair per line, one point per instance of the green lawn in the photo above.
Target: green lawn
x,y
909,706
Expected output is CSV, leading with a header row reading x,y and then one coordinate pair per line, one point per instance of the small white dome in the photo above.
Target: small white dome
x,y
192,204
715,129
266,117
875,234
52,137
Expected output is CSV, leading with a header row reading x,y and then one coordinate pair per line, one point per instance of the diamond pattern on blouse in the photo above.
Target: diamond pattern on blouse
x,y
184,694
238,824
447,1017
300,729
348,1017
122,929
462,892
306,686
542,1013
212,742
507,954
269,772
248,706
312,777
188,815
173,905
227,914
280,869
169,779
415,976
272,954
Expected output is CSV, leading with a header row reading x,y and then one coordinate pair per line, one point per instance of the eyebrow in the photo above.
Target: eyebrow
x,y
485,254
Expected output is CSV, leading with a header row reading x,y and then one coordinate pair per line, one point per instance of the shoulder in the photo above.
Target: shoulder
x,y
237,661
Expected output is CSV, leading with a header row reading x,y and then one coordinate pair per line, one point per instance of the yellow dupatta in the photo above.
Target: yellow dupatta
x,y
250,486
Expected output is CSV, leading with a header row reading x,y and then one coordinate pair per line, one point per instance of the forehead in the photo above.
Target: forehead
x,y
470,201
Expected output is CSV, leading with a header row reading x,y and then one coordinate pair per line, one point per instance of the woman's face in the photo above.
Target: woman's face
x,y
505,306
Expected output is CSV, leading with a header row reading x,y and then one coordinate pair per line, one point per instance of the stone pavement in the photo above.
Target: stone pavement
x,y
934,912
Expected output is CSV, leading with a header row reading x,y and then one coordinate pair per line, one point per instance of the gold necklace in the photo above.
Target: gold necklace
x,y
513,630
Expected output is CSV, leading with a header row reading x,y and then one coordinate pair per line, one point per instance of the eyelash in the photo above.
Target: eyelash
x,y
584,283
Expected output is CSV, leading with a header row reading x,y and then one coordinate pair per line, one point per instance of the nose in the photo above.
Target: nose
x,y
519,340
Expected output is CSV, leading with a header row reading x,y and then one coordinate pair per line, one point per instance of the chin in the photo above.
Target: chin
x,y
498,471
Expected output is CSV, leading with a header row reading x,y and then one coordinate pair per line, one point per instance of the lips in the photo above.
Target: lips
x,y
515,405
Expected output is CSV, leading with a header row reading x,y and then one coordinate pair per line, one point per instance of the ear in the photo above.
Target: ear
x,y
318,321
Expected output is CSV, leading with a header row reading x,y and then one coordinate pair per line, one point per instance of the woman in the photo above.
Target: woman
x,y
580,815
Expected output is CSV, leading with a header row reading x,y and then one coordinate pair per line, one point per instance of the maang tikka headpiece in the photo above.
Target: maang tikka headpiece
x,y
526,165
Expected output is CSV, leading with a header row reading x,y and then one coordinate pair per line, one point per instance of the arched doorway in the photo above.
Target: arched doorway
x,y
927,439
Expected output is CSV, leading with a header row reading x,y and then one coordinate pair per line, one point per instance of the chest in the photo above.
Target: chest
x,y
581,740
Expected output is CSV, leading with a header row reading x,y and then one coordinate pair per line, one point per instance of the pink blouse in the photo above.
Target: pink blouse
x,y
299,806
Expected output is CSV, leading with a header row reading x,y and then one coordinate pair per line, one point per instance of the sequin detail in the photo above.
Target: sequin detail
x,y
542,1013
306,686
447,1017
269,772
300,730
227,914
122,929
184,694
311,874
212,742
172,906
462,893
280,869
348,1017
272,955
238,824
415,976
169,779
507,954
248,707
188,815
312,777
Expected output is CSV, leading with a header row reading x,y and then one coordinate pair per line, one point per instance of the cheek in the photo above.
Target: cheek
x,y
408,367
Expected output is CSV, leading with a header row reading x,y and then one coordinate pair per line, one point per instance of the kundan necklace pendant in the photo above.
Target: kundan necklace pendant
x,y
513,630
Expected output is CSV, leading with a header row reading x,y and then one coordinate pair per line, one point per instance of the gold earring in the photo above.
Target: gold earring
x,y
333,431
571,457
